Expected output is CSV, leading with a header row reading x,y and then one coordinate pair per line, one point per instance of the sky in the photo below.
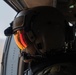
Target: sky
x,y
7,15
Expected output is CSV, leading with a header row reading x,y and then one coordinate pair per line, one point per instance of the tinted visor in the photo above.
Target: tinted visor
x,y
20,39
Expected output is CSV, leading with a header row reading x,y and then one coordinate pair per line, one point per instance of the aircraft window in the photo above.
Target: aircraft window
x,y
6,16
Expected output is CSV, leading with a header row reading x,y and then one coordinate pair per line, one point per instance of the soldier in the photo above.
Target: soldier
x,y
42,35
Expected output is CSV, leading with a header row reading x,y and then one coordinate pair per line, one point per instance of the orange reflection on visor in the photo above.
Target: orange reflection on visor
x,y
20,40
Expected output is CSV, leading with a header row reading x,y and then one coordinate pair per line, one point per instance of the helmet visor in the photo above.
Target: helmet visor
x,y
20,39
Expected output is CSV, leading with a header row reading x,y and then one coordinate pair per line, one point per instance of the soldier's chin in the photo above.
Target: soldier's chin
x,y
27,61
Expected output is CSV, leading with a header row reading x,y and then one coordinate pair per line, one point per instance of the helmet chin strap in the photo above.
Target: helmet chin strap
x,y
28,56
52,56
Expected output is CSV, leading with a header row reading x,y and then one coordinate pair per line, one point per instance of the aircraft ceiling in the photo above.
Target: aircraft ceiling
x,y
67,7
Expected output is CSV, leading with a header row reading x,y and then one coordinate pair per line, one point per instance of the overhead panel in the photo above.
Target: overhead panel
x,y
67,7
16,4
